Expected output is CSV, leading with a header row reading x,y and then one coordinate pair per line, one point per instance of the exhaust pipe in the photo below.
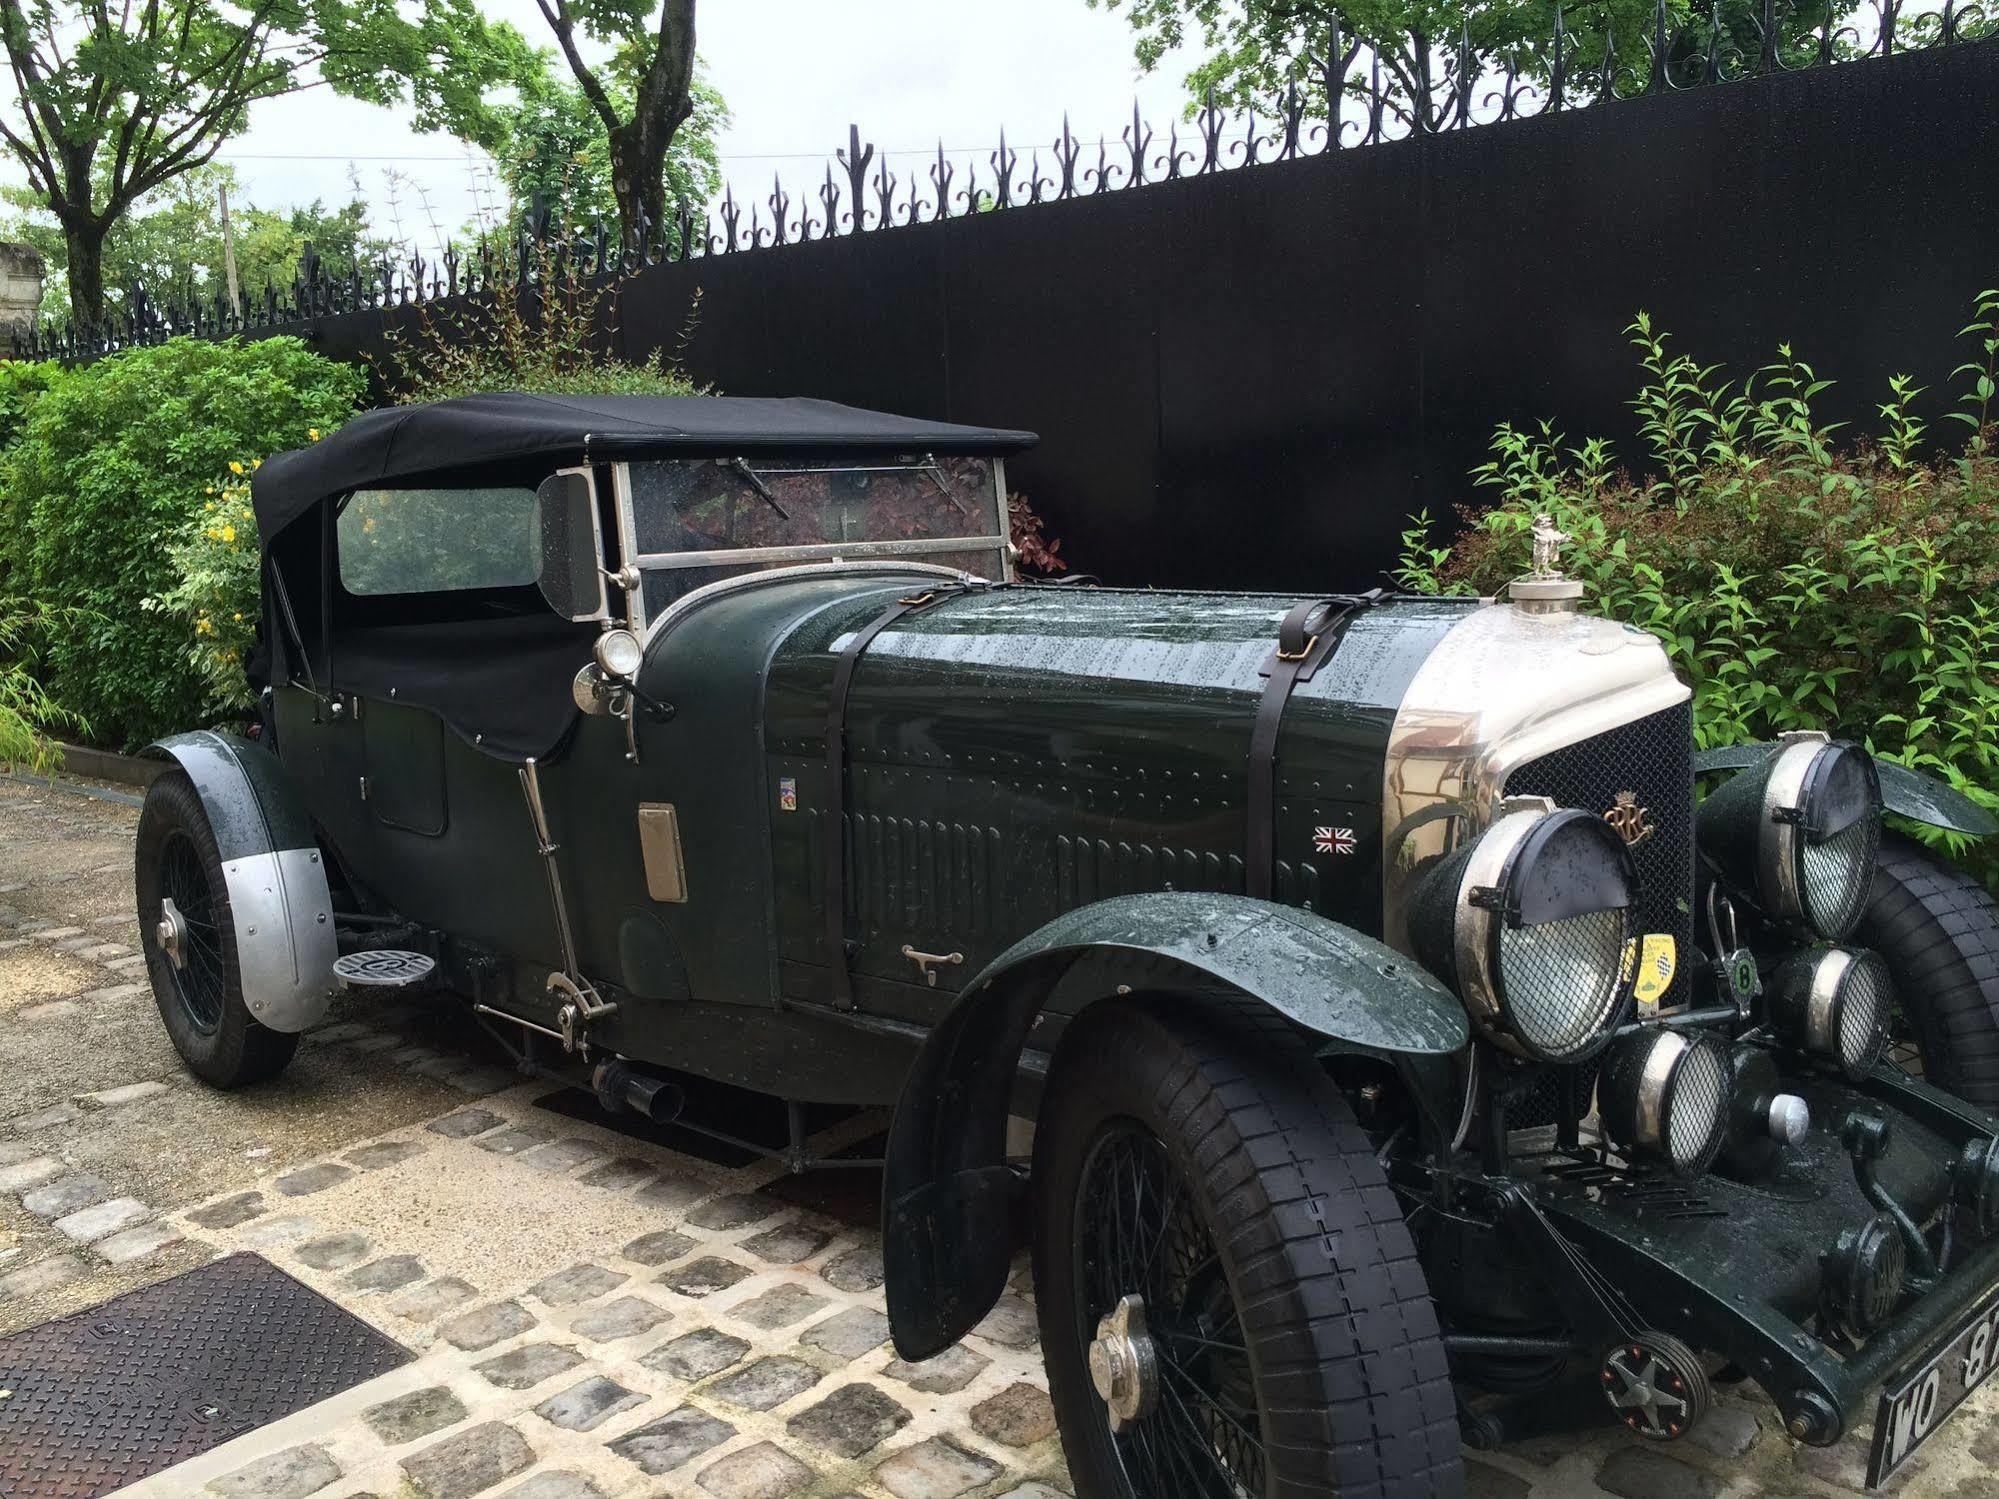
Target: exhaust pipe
x,y
623,1089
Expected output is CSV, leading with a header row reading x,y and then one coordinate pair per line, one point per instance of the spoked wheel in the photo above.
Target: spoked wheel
x,y
1230,1304
188,935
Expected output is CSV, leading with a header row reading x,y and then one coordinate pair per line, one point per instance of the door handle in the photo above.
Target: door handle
x,y
927,962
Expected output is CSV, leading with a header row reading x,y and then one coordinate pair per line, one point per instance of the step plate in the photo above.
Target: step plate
x,y
105,1397
382,968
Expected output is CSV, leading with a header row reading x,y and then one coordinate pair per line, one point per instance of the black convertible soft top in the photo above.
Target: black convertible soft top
x,y
487,435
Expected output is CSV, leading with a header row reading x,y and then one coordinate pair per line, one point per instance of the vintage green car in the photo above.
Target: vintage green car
x,y
1413,1058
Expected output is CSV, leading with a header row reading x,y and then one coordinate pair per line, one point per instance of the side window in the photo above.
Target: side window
x,y
437,540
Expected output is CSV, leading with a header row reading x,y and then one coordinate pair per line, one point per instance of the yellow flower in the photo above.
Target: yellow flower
x,y
238,617
235,467
313,433
203,627
213,534
208,505
228,533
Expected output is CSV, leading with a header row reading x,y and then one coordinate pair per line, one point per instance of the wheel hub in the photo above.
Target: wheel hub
x,y
171,933
1124,1365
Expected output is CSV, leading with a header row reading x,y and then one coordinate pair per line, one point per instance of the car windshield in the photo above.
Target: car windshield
x,y
938,510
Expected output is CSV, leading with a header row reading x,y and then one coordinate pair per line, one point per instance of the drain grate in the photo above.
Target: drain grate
x,y
106,1397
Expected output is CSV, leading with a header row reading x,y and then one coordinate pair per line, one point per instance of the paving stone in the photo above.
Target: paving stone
x,y
1011,1322
463,1465
936,1469
133,964
414,1415
488,1325
626,1317
678,1437
373,1043
13,1152
696,1355
390,1273
434,1299
314,1178
1726,1431
291,1474
857,1270
849,1421
52,933
434,1065
480,1081
464,1124
336,1251
766,1384
111,1098
945,1374
735,1210
103,952
409,1056
788,1243
556,1486
513,1140
563,1155
43,1275
64,1195
41,1119
589,1404
780,1306
1845,1463
672,1193
560,1484
1647,1473
117,918
386,1153
577,1283
619,1175
136,1243
272,1233
849,1334
704,1277
229,1212
528,1366
1484,1481
32,1173
657,1248
765,1471
93,1223
55,1009
1018,1416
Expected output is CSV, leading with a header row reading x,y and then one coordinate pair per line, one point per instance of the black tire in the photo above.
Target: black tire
x,y
1939,930
200,999
1340,1376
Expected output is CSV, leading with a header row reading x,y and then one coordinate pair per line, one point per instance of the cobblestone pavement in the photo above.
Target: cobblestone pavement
x,y
593,1315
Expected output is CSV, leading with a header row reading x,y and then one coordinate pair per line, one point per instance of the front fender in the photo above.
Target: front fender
x,y
280,905
947,1191
1913,794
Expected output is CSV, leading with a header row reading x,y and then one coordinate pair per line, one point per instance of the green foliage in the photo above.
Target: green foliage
x,y
21,382
212,606
1796,583
1254,49
27,711
113,461
553,333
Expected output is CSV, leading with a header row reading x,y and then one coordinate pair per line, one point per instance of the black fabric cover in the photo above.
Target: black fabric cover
x,y
488,435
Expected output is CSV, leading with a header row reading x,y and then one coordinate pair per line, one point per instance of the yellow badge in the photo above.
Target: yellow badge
x,y
1658,960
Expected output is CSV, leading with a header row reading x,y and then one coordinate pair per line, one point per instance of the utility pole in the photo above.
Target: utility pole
x,y
229,259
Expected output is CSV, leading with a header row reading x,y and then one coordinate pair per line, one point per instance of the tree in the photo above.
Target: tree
x,y
641,96
552,148
113,103
1257,49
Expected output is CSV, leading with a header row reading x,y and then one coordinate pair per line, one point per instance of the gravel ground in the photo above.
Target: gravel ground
x,y
592,1315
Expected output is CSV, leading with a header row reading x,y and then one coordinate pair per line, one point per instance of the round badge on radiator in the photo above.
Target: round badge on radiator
x,y
382,968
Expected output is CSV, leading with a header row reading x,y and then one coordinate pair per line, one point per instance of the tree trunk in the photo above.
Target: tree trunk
x,y
638,176
86,273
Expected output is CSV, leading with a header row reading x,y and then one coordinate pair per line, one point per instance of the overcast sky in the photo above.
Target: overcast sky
x,y
795,73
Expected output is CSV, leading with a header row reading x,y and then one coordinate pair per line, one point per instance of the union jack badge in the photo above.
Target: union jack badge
x,y
787,794
1333,840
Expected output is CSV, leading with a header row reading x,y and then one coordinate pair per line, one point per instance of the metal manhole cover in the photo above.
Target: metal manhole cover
x,y
105,1397
382,968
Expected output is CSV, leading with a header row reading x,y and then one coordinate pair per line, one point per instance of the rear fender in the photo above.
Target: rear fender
x,y
279,901
948,1194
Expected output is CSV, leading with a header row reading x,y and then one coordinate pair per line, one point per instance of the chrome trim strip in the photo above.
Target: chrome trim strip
x,y
1828,974
1502,687
814,551
1472,937
1661,1062
1777,840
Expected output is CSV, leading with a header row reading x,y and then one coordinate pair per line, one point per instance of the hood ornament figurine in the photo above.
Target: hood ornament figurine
x,y
1544,590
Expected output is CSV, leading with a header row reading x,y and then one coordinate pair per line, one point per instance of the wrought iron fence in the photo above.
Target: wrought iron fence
x,y
1358,94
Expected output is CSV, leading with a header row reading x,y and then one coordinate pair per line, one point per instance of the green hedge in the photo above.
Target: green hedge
x,y
109,465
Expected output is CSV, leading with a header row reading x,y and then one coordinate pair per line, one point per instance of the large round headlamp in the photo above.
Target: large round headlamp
x,y
1529,923
1800,831
1834,1003
1666,1095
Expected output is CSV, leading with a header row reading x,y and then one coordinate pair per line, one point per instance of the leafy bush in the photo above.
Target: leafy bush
x,y
215,601
1797,583
26,709
110,465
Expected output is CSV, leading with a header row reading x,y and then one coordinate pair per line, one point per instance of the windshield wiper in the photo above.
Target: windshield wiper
x,y
741,468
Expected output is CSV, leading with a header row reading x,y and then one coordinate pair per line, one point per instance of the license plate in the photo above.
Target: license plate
x,y
1913,1408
